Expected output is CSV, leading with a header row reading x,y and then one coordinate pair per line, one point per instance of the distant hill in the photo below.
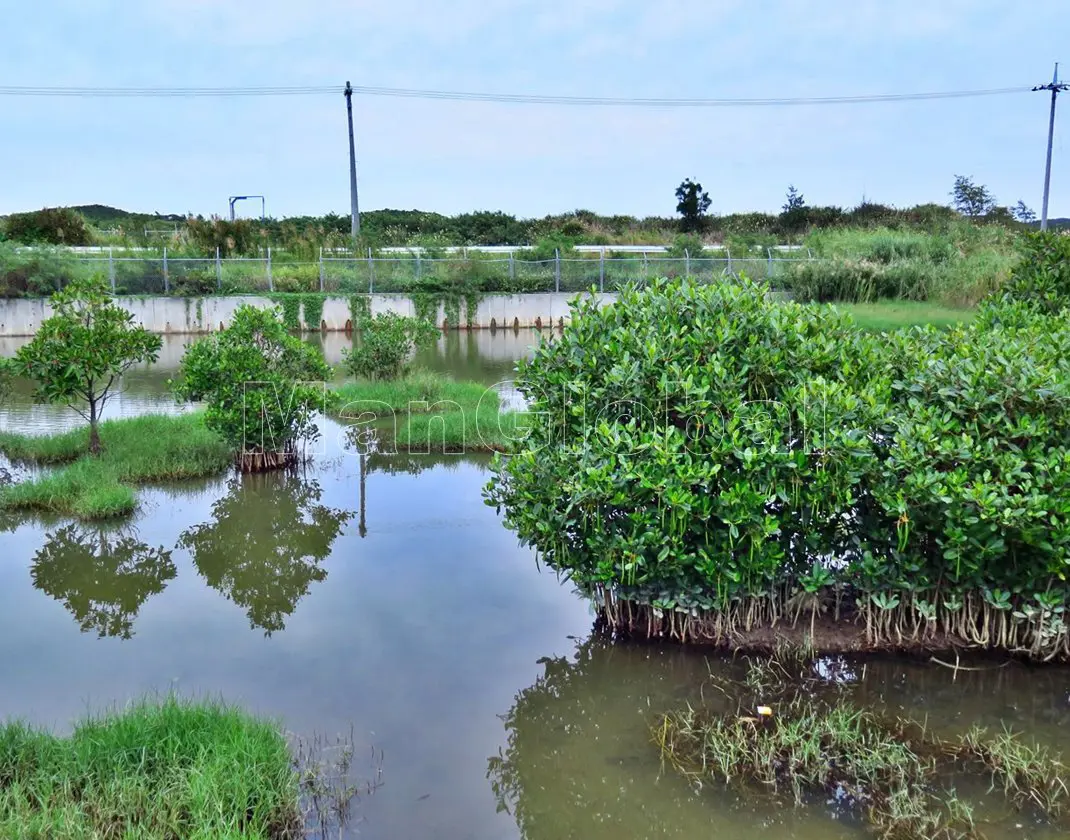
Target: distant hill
x,y
103,215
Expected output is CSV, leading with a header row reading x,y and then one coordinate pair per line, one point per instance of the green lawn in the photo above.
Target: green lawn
x,y
897,314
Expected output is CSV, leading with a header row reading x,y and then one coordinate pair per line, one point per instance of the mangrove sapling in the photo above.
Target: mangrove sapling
x,y
386,344
80,353
262,385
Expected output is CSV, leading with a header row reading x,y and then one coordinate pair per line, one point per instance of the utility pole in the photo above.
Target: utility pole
x,y
1056,87
354,209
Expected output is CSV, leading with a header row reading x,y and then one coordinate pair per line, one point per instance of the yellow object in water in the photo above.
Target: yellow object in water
x,y
765,711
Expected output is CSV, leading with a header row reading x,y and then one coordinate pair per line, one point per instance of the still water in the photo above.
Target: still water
x,y
410,616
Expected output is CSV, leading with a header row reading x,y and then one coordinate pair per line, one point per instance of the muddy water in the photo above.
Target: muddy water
x,y
425,628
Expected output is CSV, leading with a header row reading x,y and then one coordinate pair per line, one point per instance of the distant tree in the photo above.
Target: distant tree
x,y
80,353
793,216
52,226
795,200
692,202
970,199
1023,213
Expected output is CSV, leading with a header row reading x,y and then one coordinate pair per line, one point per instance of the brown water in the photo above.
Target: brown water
x,y
425,628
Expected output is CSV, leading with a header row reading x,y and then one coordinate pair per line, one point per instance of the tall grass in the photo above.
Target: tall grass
x,y
958,268
171,769
136,450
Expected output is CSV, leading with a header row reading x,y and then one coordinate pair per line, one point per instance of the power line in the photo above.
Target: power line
x,y
508,98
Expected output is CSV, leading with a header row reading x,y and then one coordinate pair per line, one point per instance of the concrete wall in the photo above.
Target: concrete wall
x,y
22,317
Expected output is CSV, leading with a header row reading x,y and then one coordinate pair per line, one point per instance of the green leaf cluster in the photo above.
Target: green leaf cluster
x,y
712,450
81,351
262,385
386,344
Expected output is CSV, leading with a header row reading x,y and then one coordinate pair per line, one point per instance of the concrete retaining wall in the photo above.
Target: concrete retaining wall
x,y
22,317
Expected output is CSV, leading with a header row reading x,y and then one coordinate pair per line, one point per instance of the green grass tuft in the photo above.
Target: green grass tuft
x,y
156,770
420,391
136,450
885,315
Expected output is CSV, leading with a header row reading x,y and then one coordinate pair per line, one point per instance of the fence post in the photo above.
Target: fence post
x,y
166,279
769,269
371,273
218,269
687,263
512,267
419,270
728,251
271,280
646,268
321,268
557,270
111,270
602,270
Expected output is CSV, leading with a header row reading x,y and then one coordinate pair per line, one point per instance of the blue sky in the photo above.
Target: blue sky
x,y
188,155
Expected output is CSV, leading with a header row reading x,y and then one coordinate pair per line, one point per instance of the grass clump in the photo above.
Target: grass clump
x,y
428,412
420,391
137,450
1028,773
173,769
790,733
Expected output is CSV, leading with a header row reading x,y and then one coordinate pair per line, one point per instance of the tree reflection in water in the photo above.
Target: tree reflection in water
x,y
265,544
102,575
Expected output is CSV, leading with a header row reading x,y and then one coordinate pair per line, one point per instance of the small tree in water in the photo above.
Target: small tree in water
x,y
81,352
387,343
263,387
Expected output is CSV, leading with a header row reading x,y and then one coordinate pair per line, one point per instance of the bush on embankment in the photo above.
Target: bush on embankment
x,y
707,460
138,450
172,769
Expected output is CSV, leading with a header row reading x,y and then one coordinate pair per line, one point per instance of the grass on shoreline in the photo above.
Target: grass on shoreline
x,y
887,315
431,413
155,770
137,450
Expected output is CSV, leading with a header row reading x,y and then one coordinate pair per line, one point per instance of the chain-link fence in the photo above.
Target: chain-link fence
x,y
406,273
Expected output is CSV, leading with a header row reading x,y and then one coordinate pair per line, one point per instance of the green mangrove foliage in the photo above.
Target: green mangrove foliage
x,y
263,387
80,353
386,344
1041,278
706,461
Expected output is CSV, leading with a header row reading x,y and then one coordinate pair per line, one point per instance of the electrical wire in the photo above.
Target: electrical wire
x,y
507,98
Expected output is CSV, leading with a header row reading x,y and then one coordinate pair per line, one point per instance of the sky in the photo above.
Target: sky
x,y
189,155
